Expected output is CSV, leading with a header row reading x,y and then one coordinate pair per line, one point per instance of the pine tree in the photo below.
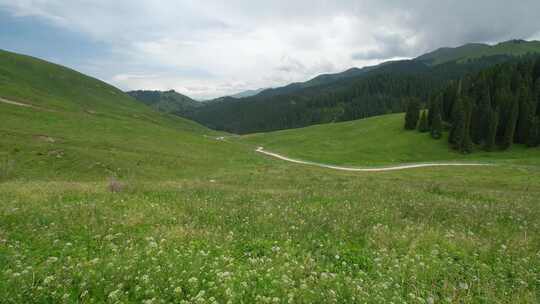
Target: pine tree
x,y
458,123
534,132
491,136
466,145
423,125
536,97
436,124
433,102
525,115
412,114
480,117
510,128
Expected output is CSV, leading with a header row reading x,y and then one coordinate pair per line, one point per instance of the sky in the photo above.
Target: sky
x,y
212,48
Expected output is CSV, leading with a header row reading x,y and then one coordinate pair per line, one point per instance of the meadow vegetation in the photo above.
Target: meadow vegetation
x,y
197,220
277,234
377,141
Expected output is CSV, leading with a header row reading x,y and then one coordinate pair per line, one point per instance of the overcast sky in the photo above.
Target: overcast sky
x,y
211,48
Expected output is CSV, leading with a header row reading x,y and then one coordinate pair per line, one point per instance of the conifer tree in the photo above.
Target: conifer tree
x,y
491,135
534,132
436,127
466,145
525,115
510,128
423,125
436,114
412,114
479,123
434,102
458,123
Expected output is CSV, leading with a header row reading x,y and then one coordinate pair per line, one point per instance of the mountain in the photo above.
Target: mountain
x,y
317,81
477,50
356,93
166,101
247,93
437,57
58,124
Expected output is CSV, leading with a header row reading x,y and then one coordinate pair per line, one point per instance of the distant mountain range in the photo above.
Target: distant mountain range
x,y
478,50
437,57
247,93
166,101
352,94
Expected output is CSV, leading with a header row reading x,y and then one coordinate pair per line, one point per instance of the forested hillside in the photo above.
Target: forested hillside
x,y
168,101
375,92
356,93
493,109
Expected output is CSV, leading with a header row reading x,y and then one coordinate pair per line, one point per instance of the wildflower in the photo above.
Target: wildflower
x,y
48,280
52,259
114,294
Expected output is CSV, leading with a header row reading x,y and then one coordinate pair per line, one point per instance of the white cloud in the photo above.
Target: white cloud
x,y
211,48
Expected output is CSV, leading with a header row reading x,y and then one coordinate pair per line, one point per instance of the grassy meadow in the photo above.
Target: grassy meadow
x,y
197,220
276,233
377,141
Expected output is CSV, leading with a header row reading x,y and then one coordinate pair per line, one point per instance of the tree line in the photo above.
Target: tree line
x,y
381,91
493,109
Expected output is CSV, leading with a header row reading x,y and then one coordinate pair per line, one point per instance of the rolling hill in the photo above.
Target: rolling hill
x,y
200,220
60,124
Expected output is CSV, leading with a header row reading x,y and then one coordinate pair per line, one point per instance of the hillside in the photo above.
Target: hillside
x,y
374,141
166,101
375,92
477,50
60,124
193,219
356,93
320,80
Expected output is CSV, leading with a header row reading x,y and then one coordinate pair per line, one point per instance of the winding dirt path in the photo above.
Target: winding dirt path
x,y
393,168
11,102
24,105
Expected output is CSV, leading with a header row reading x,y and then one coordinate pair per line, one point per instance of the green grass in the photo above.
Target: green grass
x,y
206,221
376,141
277,234
85,129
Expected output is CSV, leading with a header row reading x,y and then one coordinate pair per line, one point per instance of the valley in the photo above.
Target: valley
x,y
107,199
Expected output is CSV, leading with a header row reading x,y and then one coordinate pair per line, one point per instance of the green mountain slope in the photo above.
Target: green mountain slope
x,y
320,80
79,127
166,101
373,141
477,50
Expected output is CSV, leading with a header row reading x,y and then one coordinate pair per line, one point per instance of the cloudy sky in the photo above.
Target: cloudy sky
x,y
211,48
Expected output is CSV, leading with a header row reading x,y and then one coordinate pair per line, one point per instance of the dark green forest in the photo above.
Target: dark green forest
x,y
375,92
492,109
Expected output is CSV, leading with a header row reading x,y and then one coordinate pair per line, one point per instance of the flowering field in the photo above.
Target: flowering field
x,y
277,234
